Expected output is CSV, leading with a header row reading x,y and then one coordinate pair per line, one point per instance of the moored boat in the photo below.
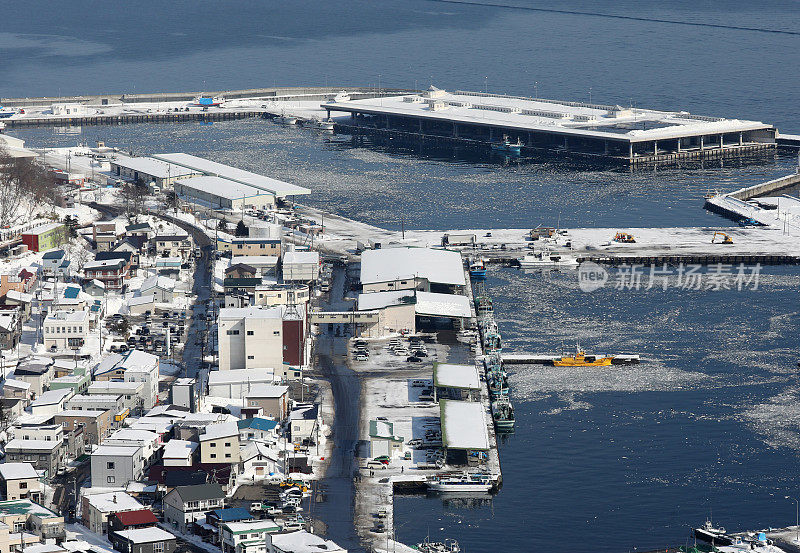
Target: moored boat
x,y
284,119
477,270
503,414
548,260
507,147
580,359
208,101
712,534
466,482
323,124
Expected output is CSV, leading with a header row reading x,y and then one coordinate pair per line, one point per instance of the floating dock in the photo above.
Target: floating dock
x,y
629,135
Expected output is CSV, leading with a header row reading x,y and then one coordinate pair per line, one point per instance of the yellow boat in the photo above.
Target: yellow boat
x,y
580,359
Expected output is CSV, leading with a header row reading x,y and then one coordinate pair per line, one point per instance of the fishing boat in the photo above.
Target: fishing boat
x,y
448,546
284,119
580,359
5,112
466,482
507,147
712,534
503,415
208,101
477,270
548,260
751,542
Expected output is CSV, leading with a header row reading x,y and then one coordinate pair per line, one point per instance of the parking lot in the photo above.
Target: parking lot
x,y
150,332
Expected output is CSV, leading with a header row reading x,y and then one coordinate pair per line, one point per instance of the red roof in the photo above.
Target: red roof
x,y
134,518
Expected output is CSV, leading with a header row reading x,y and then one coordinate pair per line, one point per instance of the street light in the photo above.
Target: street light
x,y
796,517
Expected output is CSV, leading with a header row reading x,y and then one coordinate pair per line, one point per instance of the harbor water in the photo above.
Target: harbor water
x,y
607,459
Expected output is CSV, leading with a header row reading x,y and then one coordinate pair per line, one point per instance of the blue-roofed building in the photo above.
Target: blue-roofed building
x,y
233,514
52,260
71,292
257,428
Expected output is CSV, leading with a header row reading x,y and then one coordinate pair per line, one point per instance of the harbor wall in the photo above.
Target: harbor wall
x,y
745,194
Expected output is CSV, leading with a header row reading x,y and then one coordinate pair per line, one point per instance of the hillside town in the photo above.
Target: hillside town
x,y
157,388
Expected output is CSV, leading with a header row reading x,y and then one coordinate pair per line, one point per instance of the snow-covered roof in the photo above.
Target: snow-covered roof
x,y
116,450
16,471
463,425
220,430
51,397
212,168
114,501
251,312
152,167
32,445
557,117
379,300
159,281
266,390
299,257
145,535
68,317
19,296
133,435
179,449
255,260
13,383
103,263
443,305
141,300
261,525
450,375
223,188
241,376
303,542
392,264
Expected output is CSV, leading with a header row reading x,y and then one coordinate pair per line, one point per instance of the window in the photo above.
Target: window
x,y
110,479
227,455
249,332
227,444
232,332
158,547
213,444
110,465
23,485
251,357
213,455
276,332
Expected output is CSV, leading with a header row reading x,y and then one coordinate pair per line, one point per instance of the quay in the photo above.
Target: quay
x,y
632,136
170,107
547,359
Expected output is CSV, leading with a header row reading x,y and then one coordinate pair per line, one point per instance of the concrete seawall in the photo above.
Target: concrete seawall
x,y
745,194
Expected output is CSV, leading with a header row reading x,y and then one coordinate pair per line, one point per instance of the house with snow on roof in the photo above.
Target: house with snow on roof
x,y
20,481
219,443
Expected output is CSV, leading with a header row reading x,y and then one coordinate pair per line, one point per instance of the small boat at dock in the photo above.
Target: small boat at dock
x,y
507,147
548,260
284,119
322,124
448,546
466,482
477,270
503,414
208,101
580,359
712,534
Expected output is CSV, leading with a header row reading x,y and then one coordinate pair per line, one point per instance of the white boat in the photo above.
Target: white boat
x,y
548,260
759,543
323,124
284,119
466,482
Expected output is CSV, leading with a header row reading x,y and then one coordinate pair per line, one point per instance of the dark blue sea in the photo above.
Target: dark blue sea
x,y
602,461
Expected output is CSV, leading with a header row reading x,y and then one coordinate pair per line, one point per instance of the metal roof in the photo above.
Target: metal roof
x,y
222,188
214,169
450,375
397,264
152,167
463,425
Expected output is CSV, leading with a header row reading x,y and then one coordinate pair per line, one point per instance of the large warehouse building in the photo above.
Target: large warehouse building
x,y
628,134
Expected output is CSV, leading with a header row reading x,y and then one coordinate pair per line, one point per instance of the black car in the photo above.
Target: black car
x,y
413,359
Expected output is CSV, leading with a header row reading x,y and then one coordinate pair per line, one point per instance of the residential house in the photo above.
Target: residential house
x,y
95,288
303,422
131,258
259,461
232,514
20,481
133,393
17,389
250,338
143,540
140,305
44,455
261,264
271,399
185,393
116,465
99,402
111,272
133,366
300,266
10,328
130,520
162,288
50,402
240,270
149,442
52,260
257,428
179,453
22,300
185,505
247,536
105,235
66,330
45,237
96,424
139,230
36,371
98,508
235,384
130,248
300,542
77,380
30,522
250,245
172,245
219,443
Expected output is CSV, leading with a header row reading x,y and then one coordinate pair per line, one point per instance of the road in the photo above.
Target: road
x,y
338,486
